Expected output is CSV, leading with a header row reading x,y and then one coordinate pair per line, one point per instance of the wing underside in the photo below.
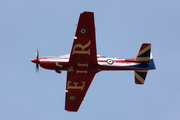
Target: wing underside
x,y
84,45
82,60
76,88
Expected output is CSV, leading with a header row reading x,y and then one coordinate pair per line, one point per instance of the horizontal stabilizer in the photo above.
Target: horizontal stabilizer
x,y
140,76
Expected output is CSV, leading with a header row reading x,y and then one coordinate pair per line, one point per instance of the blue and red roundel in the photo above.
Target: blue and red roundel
x,y
109,61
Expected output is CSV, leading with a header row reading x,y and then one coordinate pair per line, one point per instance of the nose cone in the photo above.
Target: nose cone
x,y
35,60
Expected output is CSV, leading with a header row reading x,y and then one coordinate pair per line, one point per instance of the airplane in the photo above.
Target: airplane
x,y
83,62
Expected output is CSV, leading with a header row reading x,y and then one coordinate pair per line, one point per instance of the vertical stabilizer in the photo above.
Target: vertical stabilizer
x,y
144,53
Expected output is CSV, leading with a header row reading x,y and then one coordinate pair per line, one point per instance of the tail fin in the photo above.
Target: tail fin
x,y
144,53
143,56
140,76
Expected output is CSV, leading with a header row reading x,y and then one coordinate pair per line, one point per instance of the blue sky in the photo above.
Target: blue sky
x,y
121,28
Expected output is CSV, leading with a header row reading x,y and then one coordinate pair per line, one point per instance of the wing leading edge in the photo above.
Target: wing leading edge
x,y
82,59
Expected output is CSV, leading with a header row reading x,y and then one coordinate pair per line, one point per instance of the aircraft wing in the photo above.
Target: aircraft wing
x,y
83,59
76,88
84,45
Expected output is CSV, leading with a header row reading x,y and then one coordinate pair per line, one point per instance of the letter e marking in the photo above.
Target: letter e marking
x,y
75,86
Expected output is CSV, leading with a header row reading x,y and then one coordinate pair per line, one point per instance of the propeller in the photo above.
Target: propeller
x,y
37,58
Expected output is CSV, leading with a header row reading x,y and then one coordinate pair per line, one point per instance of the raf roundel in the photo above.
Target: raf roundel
x,y
72,97
83,31
109,61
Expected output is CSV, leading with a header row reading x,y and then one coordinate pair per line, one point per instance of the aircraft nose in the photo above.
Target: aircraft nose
x,y
35,60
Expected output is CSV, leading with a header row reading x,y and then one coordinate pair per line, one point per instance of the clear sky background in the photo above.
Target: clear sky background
x,y
121,28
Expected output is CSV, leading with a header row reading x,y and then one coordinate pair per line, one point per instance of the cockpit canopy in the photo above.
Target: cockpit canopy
x,y
99,56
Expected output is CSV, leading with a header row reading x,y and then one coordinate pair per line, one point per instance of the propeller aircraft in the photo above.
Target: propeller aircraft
x,y
83,62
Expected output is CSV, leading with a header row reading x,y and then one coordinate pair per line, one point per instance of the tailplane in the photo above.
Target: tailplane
x,y
144,56
140,76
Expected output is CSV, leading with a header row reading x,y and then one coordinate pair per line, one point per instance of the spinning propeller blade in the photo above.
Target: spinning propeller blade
x,y
37,57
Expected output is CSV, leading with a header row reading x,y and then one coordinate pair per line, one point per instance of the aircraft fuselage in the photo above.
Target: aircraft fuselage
x,y
62,63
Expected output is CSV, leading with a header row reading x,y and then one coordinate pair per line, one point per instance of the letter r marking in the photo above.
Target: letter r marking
x,y
82,51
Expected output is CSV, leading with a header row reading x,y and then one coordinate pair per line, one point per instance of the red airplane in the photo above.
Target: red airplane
x,y
83,62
